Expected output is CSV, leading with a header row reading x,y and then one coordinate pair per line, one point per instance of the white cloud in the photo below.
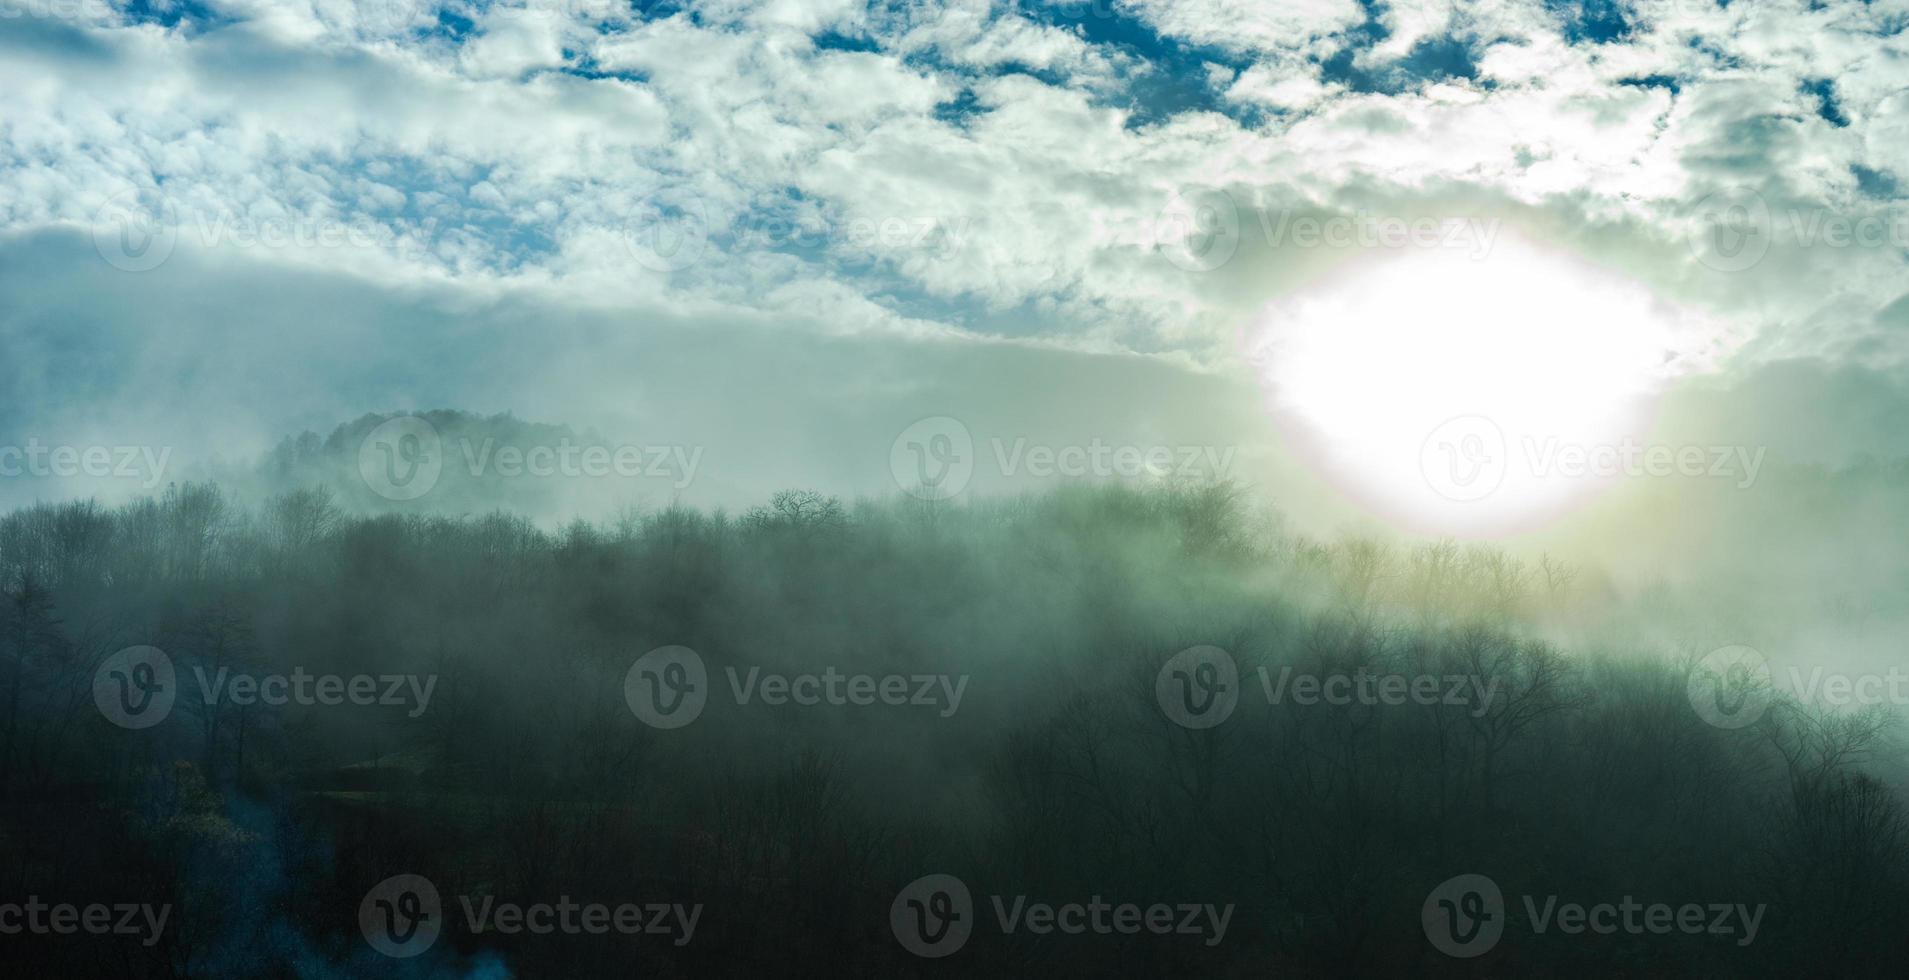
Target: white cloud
x,y
1248,24
516,156
1289,90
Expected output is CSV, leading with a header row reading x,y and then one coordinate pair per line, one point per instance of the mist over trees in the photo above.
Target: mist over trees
x,y
1585,773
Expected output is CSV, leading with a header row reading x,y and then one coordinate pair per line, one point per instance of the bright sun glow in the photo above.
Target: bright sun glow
x,y
1456,393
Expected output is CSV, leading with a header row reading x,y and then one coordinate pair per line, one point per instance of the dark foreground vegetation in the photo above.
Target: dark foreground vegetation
x,y
1587,776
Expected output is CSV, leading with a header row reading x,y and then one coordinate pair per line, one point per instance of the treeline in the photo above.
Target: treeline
x,y
1584,774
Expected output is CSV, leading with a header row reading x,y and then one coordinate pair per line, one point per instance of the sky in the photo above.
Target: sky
x,y
785,231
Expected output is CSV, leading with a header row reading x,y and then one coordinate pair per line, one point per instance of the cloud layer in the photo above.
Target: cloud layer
x,y
996,168
1116,177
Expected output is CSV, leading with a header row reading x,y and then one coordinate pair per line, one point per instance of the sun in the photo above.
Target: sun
x,y
1458,393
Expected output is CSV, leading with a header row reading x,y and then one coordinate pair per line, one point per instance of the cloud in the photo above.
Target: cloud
x,y
1244,24
922,171
216,360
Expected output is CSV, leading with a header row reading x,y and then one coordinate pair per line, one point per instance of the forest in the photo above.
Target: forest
x,y
359,697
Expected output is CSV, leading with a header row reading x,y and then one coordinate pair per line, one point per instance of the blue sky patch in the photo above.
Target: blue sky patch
x,y
178,14
1592,21
1653,81
1823,90
1174,79
1875,183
